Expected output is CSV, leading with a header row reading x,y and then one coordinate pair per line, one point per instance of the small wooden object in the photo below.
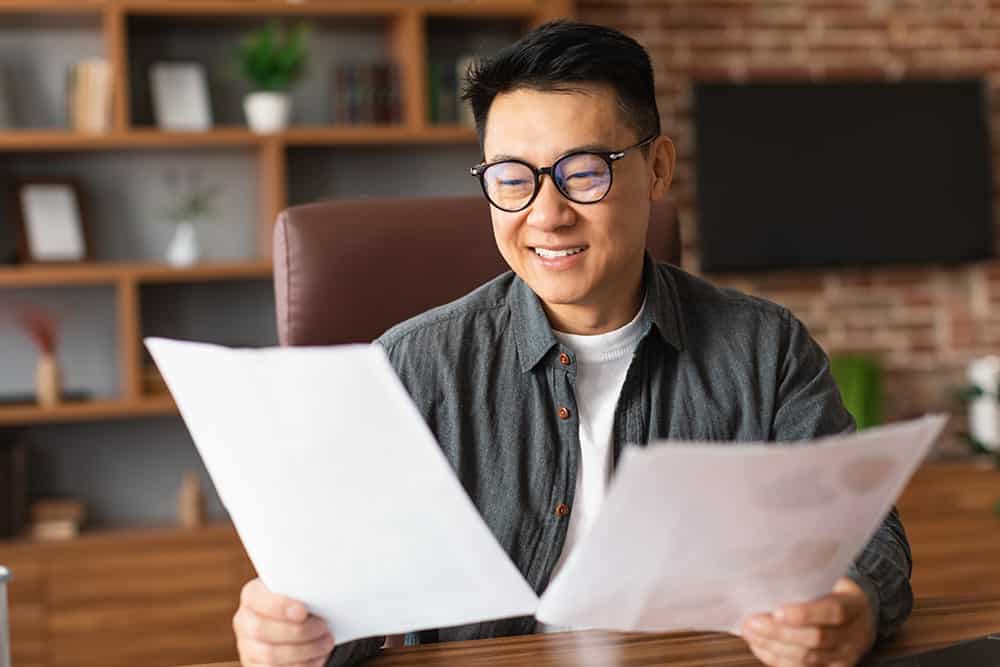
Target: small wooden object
x,y
190,501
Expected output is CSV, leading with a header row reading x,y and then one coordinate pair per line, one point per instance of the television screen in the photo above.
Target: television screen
x,y
803,175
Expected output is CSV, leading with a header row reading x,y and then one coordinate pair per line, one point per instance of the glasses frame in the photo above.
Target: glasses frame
x,y
609,157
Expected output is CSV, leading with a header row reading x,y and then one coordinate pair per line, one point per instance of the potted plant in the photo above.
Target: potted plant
x,y
192,202
272,60
40,327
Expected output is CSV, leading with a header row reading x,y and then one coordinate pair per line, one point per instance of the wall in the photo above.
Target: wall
x,y
924,323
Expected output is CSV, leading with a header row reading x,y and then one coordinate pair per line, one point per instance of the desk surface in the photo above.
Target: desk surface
x,y
935,622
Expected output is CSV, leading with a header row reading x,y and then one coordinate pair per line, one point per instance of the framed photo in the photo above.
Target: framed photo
x,y
51,221
180,96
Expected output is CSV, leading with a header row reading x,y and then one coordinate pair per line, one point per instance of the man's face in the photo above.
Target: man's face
x,y
539,127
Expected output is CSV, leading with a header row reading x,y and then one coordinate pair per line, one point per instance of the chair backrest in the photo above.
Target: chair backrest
x,y
345,271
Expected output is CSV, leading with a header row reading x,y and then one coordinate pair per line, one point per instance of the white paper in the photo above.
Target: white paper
x,y
701,536
338,489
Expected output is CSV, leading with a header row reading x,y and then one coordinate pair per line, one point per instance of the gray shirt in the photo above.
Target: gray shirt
x,y
497,390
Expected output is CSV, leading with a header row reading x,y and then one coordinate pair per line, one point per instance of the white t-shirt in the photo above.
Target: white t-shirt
x,y
602,362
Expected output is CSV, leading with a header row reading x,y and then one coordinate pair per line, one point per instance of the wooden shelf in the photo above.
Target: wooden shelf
x,y
97,273
63,140
97,410
52,6
373,8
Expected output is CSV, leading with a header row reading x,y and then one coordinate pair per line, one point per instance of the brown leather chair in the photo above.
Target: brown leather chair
x,y
345,271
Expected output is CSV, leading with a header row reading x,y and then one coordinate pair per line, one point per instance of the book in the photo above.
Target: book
x,y
89,96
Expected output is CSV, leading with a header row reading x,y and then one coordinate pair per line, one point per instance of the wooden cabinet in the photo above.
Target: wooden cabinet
x,y
156,597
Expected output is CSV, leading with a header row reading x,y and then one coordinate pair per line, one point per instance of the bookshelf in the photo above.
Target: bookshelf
x,y
183,585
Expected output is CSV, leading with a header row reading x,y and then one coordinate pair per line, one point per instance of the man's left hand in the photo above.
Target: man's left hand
x,y
836,630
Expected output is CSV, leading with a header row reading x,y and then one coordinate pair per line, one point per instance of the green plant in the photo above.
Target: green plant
x,y
191,199
859,379
272,59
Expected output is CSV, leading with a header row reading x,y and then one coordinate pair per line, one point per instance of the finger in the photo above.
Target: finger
x,y
283,654
834,609
247,623
809,637
311,663
789,653
767,657
262,600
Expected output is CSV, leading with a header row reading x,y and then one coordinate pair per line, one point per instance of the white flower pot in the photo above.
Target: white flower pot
x,y
183,249
984,411
267,112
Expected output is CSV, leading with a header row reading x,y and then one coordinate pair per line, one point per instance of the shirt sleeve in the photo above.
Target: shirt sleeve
x,y
352,653
808,406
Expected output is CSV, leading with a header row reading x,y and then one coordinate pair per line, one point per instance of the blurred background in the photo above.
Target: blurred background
x,y
835,156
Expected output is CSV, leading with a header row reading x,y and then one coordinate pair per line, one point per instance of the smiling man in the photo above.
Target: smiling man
x,y
534,382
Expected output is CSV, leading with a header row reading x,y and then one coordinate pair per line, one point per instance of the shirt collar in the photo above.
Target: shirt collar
x,y
533,333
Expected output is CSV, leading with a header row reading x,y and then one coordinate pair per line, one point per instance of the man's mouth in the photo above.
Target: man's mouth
x,y
565,252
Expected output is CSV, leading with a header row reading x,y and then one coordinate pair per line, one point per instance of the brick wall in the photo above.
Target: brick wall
x,y
924,323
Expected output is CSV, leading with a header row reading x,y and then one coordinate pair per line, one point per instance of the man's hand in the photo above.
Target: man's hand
x,y
274,630
835,630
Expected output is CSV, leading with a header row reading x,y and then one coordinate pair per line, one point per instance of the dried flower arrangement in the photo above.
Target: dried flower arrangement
x,y
40,327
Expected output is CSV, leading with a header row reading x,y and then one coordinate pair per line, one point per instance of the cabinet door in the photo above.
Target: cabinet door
x,y
156,602
27,613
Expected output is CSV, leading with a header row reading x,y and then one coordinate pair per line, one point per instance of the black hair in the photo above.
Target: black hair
x,y
559,54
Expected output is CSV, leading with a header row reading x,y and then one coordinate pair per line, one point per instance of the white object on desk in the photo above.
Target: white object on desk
x,y
337,488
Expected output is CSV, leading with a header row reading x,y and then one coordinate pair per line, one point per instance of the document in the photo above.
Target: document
x,y
700,536
344,501
338,489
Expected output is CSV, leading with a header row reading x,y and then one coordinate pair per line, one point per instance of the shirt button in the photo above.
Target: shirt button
x,y
563,413
562,509
564,359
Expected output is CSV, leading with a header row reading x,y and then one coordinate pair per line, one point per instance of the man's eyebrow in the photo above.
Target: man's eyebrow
x,y
596,148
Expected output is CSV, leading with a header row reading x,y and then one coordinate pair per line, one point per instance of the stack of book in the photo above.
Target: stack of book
x,y
366,93
445,80
89,96
55,519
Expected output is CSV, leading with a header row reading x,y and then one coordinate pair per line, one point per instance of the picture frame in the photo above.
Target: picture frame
x,y
179,92
50,216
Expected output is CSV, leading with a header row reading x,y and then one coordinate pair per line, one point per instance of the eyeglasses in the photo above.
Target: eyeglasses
x,y
583,177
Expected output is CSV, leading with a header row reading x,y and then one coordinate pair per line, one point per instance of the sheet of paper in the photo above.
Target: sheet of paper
x,y
338,489
699,536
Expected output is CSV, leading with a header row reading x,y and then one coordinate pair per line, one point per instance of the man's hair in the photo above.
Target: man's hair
x,y
560,56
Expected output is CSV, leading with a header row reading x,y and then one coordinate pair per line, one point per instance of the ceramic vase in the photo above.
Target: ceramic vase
x,y
183,249
48,385
267,112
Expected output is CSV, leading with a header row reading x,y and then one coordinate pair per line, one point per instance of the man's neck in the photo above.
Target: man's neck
x,y
591,320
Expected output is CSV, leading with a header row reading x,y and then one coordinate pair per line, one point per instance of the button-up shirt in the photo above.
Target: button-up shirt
x,y
497,390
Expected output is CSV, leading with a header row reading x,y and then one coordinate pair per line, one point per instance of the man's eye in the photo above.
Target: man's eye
x,y
512,182
584,174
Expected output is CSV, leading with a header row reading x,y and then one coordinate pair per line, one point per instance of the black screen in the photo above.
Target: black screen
x,y
796,175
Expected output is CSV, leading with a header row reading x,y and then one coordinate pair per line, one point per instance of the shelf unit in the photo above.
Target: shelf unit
x,y
406,26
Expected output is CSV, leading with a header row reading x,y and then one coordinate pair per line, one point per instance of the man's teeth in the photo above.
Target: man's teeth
x,y
542,252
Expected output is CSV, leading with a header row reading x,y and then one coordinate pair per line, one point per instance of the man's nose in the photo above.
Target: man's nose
x,y
551,209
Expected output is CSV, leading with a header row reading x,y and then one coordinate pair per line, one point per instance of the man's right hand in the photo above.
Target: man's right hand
x,y
272,629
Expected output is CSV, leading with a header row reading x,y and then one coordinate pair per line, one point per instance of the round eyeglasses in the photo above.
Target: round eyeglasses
x,y
583,177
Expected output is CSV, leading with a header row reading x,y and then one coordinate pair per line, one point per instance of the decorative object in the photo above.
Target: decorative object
x,y
982,395
272,60
89,96
190,501
859,379
56,519
192,202
49,215
41,329
180,97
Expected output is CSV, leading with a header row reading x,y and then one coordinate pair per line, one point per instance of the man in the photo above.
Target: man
x,y
534,382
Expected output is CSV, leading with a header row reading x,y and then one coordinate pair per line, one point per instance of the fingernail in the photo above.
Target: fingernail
x,y
780,616
296,612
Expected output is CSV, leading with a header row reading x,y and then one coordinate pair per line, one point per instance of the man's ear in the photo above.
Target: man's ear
x,y
664,156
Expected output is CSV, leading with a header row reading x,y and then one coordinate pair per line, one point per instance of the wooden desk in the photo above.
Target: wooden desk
x,y
935,622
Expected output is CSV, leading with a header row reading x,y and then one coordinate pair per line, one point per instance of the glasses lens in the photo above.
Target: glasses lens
x,y
583,177
509,185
